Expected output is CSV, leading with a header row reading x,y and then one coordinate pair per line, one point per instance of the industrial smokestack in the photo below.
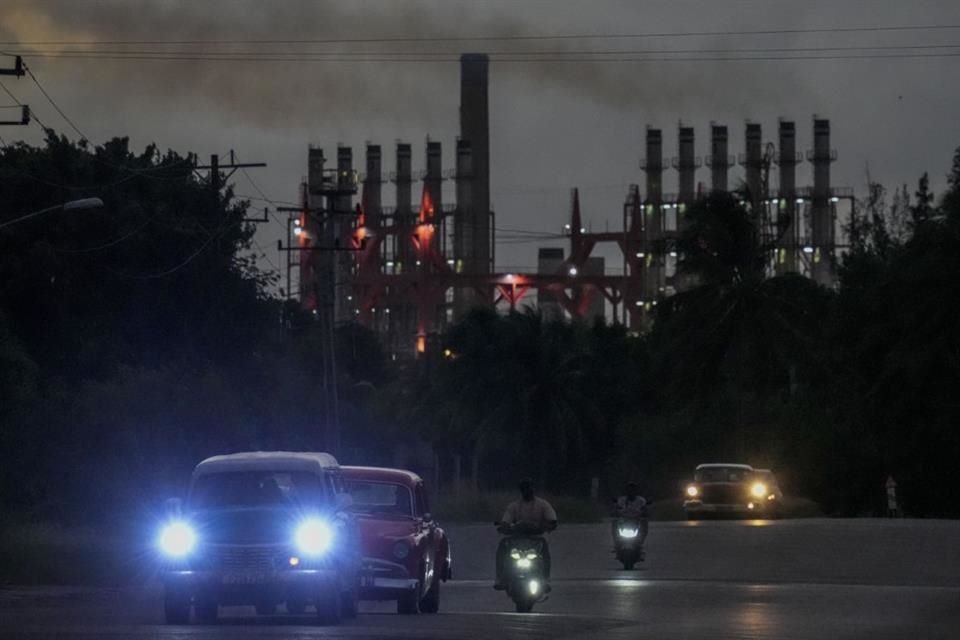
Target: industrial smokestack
x,y
786,208
719,158
822,218
434,178
463,233
753,162
372,186
653,227
404,176
475,129
686,165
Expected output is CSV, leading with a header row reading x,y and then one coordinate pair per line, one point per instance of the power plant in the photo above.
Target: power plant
x,y
409,270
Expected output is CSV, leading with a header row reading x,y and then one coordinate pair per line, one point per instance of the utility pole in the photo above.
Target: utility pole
x,y
17,71
214,168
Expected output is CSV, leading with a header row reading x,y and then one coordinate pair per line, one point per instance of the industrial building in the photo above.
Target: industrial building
x,y
409,270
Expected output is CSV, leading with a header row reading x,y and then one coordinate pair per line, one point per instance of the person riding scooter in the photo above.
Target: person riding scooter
x,y
631,506
529,516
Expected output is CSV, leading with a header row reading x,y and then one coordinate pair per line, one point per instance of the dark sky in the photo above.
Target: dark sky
x,y
553,125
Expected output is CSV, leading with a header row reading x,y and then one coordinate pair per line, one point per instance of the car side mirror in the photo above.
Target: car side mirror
x,y
173,507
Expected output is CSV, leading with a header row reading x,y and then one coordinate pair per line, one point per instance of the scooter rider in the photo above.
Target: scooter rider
x,y
530,516
632,506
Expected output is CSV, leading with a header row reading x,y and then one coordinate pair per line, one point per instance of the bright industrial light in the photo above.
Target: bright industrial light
x,y
639,303
758,489
834,199
808,249
534,586
641,254
799,200
573,271
627,532
673,254
298,230
314,537
692,491
509,276
177,539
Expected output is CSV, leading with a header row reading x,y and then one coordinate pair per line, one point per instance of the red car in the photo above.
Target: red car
x,y
406,555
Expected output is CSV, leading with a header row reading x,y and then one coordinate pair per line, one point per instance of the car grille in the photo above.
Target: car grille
x,y
242,558
723,494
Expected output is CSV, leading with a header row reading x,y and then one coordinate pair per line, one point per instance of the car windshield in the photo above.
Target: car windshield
x,y
380,498
721,474
240,489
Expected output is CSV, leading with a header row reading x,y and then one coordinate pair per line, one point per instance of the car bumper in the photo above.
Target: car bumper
x,y
385,580
229,588
760,506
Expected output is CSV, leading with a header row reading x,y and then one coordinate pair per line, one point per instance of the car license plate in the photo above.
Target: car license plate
x,y
246,577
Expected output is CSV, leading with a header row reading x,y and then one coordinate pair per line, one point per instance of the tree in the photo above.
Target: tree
x,y
922,211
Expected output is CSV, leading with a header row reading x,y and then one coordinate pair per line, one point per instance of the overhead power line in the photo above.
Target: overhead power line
x,y
527,59
55,105
507,38
297,55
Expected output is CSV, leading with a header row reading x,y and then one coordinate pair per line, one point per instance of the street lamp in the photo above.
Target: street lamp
x,y
72,205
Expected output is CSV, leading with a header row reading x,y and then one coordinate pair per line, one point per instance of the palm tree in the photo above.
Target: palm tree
x,y
736,327
513,385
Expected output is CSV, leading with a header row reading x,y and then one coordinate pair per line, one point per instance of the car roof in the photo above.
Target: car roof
x,y
381,474
713,465
266,461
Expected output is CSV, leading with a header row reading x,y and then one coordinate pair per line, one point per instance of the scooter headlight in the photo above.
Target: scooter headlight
x,y
177,539
628,532
314,537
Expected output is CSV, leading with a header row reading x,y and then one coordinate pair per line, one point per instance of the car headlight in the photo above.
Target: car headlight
x,y
692,491
314,537
401,550
758,489
177,539
627,532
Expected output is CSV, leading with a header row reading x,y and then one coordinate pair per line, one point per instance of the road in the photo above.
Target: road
x,y
819,579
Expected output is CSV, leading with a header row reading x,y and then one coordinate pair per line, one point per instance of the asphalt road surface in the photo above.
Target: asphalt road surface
x,y
819,579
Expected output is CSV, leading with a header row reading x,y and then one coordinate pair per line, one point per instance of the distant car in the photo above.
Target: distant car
x,y
262,528
406,554
732,489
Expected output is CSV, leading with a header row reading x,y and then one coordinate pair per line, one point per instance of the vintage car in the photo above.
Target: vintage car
x,y
406,555
732,489
262,528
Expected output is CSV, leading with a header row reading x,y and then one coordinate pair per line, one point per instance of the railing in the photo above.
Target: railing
x,y
814,156
716,162
691,163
